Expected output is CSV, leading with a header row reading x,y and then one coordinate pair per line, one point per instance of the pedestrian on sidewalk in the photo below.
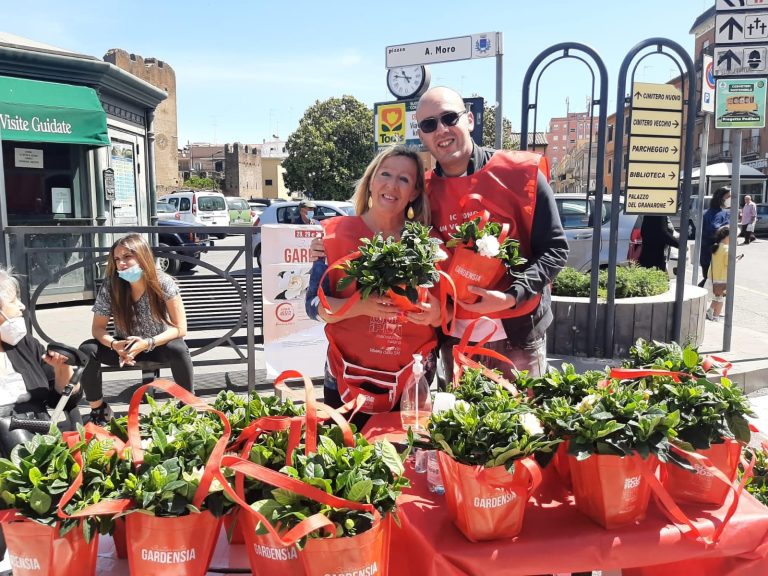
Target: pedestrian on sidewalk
x,y
718,273
714,218
748,219
149,319
658,235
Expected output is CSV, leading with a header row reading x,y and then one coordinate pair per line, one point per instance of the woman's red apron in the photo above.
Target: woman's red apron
x,y
368,356
508,184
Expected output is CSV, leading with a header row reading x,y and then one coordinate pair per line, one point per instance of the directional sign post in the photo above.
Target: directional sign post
x,y
653,170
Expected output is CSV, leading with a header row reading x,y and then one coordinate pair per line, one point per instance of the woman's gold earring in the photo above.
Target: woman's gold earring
x,y
370,201
410,212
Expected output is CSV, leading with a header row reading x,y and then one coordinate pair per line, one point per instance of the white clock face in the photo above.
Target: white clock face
x,y
406,81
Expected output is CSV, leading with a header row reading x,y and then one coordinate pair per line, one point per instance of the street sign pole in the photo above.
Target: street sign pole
x,y
699,216
732,238
5,252
499,111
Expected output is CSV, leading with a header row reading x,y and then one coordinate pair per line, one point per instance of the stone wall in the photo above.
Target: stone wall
x,y
243,171
161,75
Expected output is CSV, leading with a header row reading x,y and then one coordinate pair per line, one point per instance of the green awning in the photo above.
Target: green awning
x,y
33,111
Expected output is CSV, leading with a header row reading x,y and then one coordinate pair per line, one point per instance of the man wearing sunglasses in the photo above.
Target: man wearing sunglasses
x,y
514,189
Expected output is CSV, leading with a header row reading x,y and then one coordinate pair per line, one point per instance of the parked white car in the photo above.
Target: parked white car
x,y
576,213
200,207
288,213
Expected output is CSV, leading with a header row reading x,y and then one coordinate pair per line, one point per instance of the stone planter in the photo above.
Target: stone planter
x,y
647,317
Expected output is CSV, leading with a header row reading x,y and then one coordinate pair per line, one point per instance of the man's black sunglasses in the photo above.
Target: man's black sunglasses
x,y
447,118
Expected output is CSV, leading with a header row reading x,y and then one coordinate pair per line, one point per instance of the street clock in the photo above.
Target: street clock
x,y
407,82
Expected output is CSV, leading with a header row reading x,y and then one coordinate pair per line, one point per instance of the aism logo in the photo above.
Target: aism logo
x,y
391,124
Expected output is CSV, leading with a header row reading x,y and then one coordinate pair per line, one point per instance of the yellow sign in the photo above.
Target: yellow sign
x,y
390,124
653,123
651,201
656,96
654,149
649,175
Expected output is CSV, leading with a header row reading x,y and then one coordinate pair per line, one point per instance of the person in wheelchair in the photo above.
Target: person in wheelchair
x,y
31,379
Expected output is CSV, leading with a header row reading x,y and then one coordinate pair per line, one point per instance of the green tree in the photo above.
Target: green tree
x,y
330,149
197,183
489,130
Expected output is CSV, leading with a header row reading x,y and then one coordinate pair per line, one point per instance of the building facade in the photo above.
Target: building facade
x,y
79,152
242,171
161,75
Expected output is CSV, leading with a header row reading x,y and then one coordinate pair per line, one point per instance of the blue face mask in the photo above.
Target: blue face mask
x,y
310,214
131,274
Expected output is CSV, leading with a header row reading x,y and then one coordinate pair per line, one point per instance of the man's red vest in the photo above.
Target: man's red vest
x,y
508,184
367,355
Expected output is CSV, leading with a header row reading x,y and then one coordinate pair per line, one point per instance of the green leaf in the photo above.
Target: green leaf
x,y
360,491
39,501
390,458
690,358
35,475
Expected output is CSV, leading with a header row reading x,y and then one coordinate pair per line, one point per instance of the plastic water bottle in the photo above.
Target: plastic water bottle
x,y
443,401
415,401
434,478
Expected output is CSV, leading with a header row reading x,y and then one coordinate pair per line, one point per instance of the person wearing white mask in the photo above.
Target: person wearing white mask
x,y
31,379
149,320
715,217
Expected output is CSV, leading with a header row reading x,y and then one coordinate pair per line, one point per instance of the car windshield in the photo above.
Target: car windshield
x,y
163,207
211,203
348,210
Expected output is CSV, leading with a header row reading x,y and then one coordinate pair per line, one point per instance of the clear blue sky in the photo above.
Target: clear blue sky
x,y
246,70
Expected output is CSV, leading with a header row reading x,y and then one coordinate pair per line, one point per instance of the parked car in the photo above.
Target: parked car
x,y
204,207
693,209
761,226
178,234
166,211
288,213
240,213
576,213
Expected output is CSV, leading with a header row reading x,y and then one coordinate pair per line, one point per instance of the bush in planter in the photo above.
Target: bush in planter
x,y
401,267
483,451
670,356
631,281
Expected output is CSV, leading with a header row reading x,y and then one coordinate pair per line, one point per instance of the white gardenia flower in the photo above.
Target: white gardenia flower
x,y
440,255
586,403
488,246
531,424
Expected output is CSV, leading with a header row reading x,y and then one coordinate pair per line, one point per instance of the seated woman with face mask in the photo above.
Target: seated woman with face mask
x,y
31,379
149,319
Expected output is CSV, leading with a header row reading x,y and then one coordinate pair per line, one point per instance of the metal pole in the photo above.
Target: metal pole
x,y
249,307
699,215
732,238
499,76
5,250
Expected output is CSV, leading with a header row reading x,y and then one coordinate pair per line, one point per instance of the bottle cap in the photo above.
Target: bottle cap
x,y
418,367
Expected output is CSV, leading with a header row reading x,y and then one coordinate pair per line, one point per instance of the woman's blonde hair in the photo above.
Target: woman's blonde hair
x,y
421,210
122,302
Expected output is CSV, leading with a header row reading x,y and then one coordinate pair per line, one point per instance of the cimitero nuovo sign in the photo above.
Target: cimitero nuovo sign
x,y
653,167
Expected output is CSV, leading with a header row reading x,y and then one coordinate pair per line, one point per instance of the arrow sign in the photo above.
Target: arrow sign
x,y
650,149
652,175
734,5
741,28
728,57
649,201
729,26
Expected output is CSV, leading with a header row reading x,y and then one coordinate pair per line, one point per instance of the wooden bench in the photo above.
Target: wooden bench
x,y
212,304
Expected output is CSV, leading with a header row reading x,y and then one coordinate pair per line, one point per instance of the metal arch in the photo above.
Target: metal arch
x,y
618,161
566,48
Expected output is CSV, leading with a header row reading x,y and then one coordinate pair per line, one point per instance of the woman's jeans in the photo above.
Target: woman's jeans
x,y
175,354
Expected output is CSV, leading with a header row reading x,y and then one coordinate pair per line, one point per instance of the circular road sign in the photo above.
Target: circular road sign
x,y
710,75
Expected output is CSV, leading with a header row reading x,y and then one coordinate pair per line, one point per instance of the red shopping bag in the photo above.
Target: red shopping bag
x,y
468,268
488,503
233,527
38,550
562,464
612,490
703,486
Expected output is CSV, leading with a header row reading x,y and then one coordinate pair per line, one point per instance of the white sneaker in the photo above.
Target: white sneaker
x,y
711,315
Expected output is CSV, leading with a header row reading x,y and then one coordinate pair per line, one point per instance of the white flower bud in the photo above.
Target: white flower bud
x,y
488,246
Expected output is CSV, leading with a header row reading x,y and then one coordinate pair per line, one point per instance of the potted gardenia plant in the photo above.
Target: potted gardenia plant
x,y
401,269
485,451
483,253
616,434
32,484
757,485
713,415
178,504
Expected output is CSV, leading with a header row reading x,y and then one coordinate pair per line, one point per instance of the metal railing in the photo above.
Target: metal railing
x,y
58,260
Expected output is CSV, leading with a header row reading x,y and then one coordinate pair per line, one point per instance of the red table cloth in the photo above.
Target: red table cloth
x,y
557,538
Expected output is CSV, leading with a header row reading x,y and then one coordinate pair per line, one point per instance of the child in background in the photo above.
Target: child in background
x,y
718,273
